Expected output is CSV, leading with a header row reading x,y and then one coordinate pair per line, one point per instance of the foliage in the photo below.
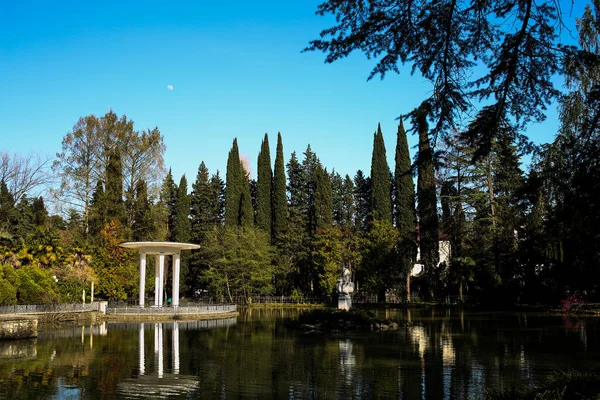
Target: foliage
x,y
404,208
513,43
427,203
36,286
572,304
239,262
279,200
380,180
264,187
116,267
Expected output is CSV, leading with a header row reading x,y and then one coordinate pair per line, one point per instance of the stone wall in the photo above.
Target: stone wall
x,y
18,329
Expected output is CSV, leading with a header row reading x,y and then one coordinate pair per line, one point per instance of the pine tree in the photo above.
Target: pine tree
x,y
427,202
233,188
279,201
380,180
406,218
264,183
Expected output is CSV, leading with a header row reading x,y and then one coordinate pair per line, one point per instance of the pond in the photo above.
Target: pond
x,y
439,354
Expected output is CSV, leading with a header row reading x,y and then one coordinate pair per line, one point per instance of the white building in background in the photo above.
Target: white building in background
x,y
445,252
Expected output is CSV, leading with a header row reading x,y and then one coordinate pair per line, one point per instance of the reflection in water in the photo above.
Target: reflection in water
x,y
439,355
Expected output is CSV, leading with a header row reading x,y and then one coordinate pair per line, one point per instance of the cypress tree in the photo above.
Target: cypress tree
x,y
200,205
217,199
362,199
168,196
279,201
405,213
142,226
115,209
427,201
323,198
8,212
233,188
97,211
337,190
264,183
181,219
348,204
380,179
246,215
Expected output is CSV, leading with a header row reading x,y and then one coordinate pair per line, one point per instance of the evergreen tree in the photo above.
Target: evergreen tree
x,y
323,198
8,212
336,190
115,209
168,197
181,229
380,180
427,202
143,226
362,196
217,199
233,188
181,220
238,198
246,209
348,204
264,183
97,210
279,201
201,214
404,197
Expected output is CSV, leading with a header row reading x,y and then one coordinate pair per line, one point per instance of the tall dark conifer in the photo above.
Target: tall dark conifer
x,y
246,216
362,196
348,203
323,198
143,226
380,180
405,213
98,210
200,209
427,202
279,202
233,188
217,196
181,226
115,209
264,184
168,196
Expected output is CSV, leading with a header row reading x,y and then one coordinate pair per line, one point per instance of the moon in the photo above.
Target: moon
x,y
170,87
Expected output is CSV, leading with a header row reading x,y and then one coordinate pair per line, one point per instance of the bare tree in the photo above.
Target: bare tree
x,y
25,174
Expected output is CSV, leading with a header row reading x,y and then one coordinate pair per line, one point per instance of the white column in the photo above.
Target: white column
x,y
176,348
142,278
156,280
142,354
161,279
160,350
176,268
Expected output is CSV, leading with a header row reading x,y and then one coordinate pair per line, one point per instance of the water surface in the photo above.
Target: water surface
x,y
447,354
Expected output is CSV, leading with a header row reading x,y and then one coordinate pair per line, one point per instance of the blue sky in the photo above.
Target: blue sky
x,y
236,69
